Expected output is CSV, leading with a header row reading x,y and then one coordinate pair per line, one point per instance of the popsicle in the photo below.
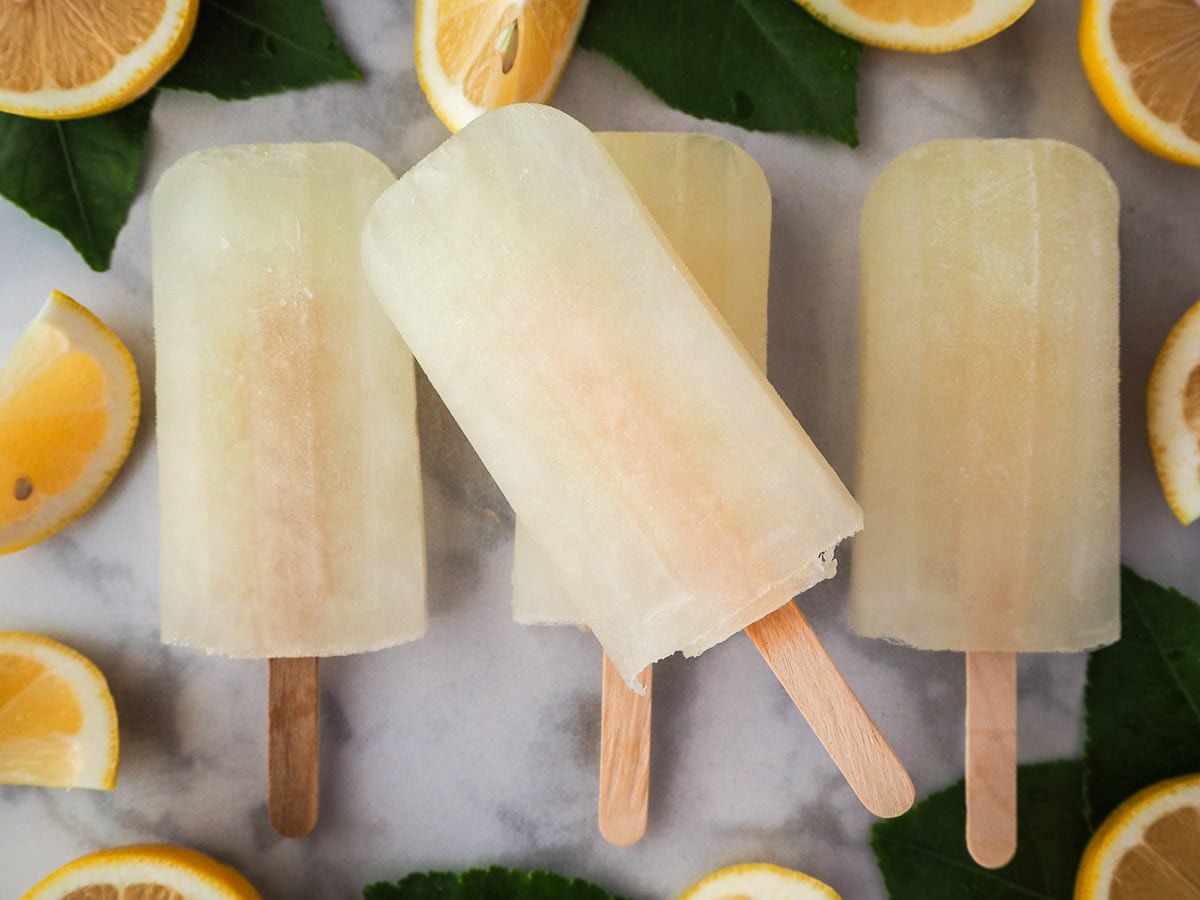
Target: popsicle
x,y
289,480
988,436
646,454
712,202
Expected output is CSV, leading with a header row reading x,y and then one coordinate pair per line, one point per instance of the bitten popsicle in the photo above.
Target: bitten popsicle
x,y
289,477
712,202
642,448
988,438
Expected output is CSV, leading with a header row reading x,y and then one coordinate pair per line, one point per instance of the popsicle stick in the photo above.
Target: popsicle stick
x,y
837,717
624,756
294,742
992,757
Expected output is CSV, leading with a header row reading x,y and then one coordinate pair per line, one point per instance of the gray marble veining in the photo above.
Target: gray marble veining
x,y
478,744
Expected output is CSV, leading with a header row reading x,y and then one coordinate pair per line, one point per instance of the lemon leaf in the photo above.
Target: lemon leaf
x,y
78,176
1142,697
761,64
250,48
923,856
486,884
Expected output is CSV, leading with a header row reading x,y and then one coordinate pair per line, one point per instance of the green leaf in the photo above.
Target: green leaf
x,y
78,176
495,883
761,64
248,48
923,855
1142,698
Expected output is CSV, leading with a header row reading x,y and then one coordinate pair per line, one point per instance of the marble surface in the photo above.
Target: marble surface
x,y
479,744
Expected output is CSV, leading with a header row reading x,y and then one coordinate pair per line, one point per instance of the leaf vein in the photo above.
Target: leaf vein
x,y
76,192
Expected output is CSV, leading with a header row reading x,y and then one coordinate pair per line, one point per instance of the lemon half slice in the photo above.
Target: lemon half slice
x,y
1148,849
476,55
144,872
759,881
924,26
63,60
1143,60
1173,416
58,724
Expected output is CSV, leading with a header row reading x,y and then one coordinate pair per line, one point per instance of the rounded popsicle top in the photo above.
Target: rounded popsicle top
x,y
947,153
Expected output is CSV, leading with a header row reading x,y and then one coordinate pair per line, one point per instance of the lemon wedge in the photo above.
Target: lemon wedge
x,y
69,406
144,872
476,55
1142,58
58,724
759,881
1147,848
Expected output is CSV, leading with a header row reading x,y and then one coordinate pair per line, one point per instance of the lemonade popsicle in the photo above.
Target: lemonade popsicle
x,y
712,202
988,441
676,496
289,478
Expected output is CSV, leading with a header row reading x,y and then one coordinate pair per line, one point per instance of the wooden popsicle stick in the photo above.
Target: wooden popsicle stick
x,y
294,744
833,711
992,757
624,756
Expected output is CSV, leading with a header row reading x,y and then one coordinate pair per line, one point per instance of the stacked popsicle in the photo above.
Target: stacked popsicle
x,y
667,485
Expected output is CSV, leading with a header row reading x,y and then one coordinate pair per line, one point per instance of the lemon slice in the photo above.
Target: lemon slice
x,y
924,26
476,55
58,725
69,404
144,872
1143,60
1147,848
63,60
759,881
1173,416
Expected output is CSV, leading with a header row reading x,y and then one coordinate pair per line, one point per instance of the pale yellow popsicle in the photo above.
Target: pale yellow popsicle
x,y
988,439
289,474
712,202
637,441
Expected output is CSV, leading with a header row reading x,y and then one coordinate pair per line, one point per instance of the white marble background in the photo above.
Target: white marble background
x,y
479,744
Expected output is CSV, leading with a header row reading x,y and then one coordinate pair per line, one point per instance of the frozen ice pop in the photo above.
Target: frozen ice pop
x,y
988,418
642,448
289,476
712,202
